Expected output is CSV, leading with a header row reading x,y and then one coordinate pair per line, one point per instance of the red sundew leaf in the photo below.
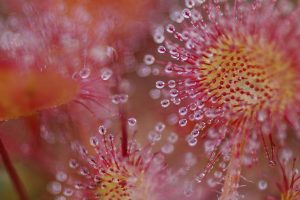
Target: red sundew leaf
x,y
127,13
22,94
129,8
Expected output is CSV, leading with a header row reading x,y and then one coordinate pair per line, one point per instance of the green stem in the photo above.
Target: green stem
x,y
12,172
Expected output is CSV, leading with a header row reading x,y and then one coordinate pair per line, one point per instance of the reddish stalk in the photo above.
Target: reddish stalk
x,y
124,138
12,172
123,120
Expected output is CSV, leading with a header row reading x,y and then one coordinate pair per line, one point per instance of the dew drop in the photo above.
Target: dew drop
x,y
196,15
97,178
218,174
84,171
165,103
94,141
115,99
85,72
168,69
211,183
209,146
155,71
171,83
73,164
106,73
188,192
61,176
172,119
161,49
131,121
199,177
102,130
182,111
78,186
272,163
158,37
132,180
191,141
167,148
262,185
119,98
160,84
261,116
186,13
68,192
154,136
190,159
182,122
61,198
160,127
144,71
155,93
195,133
123,98
173,137
222,165
177,16
170,28
285,155
200,1
54,187
149,59
189,3
174,93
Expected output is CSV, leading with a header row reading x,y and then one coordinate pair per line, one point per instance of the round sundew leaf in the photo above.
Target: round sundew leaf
x,y
24,93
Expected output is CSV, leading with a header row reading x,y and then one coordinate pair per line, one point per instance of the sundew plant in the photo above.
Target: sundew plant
x,y
149,99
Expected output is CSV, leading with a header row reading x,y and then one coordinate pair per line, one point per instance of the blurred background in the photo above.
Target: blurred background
x,y
109,37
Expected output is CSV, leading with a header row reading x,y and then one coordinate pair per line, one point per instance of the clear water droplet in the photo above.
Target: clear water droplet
x,y
85,72
106,73
155,93
165,103
199,177
171,83
132,121
195,133
182,122
189,3
61,176
261,116
174,93
160,84
149,59
68,192
160,127
170,28
262,185
173,137
102,130
119,98
161,49
218,174
94,141
186,13
154,136
158,37
167,148
191,141
54,187
182,111
73,164
123,98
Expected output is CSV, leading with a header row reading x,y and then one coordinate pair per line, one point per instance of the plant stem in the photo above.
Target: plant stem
x,y
12,172
124,138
